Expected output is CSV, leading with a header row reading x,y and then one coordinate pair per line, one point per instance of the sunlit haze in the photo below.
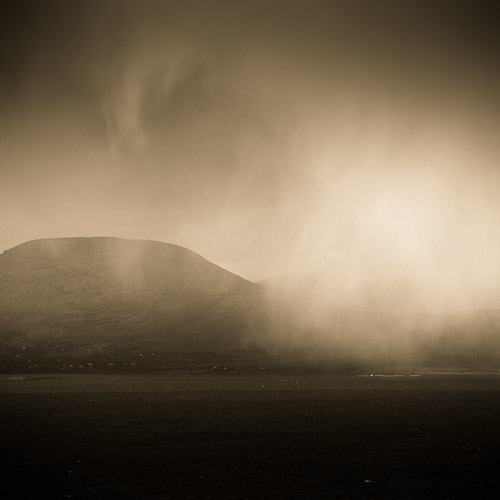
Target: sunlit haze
x,y
356,142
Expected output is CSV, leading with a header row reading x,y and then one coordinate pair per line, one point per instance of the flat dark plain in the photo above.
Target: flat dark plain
x,y
242,437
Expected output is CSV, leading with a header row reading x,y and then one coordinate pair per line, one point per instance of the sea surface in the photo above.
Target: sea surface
x,y
380,435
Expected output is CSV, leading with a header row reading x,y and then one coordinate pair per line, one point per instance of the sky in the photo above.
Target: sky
x,y
354,139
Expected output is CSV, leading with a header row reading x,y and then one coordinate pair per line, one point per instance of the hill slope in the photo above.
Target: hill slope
x,y
108,302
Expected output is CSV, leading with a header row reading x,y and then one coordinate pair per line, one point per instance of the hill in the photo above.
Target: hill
x,y
113,305
110,303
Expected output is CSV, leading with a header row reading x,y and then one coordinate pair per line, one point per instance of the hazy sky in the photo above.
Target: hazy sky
x,y
351,137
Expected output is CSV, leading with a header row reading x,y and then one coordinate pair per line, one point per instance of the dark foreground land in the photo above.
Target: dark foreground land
x,y
236,437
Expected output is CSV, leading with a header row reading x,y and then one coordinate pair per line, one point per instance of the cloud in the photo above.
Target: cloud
x,y
148,70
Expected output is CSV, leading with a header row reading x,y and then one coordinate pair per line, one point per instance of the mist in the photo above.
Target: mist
x,y
346,151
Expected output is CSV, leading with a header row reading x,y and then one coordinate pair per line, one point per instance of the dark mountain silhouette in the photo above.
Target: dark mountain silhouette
x,y
109,304
104,303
